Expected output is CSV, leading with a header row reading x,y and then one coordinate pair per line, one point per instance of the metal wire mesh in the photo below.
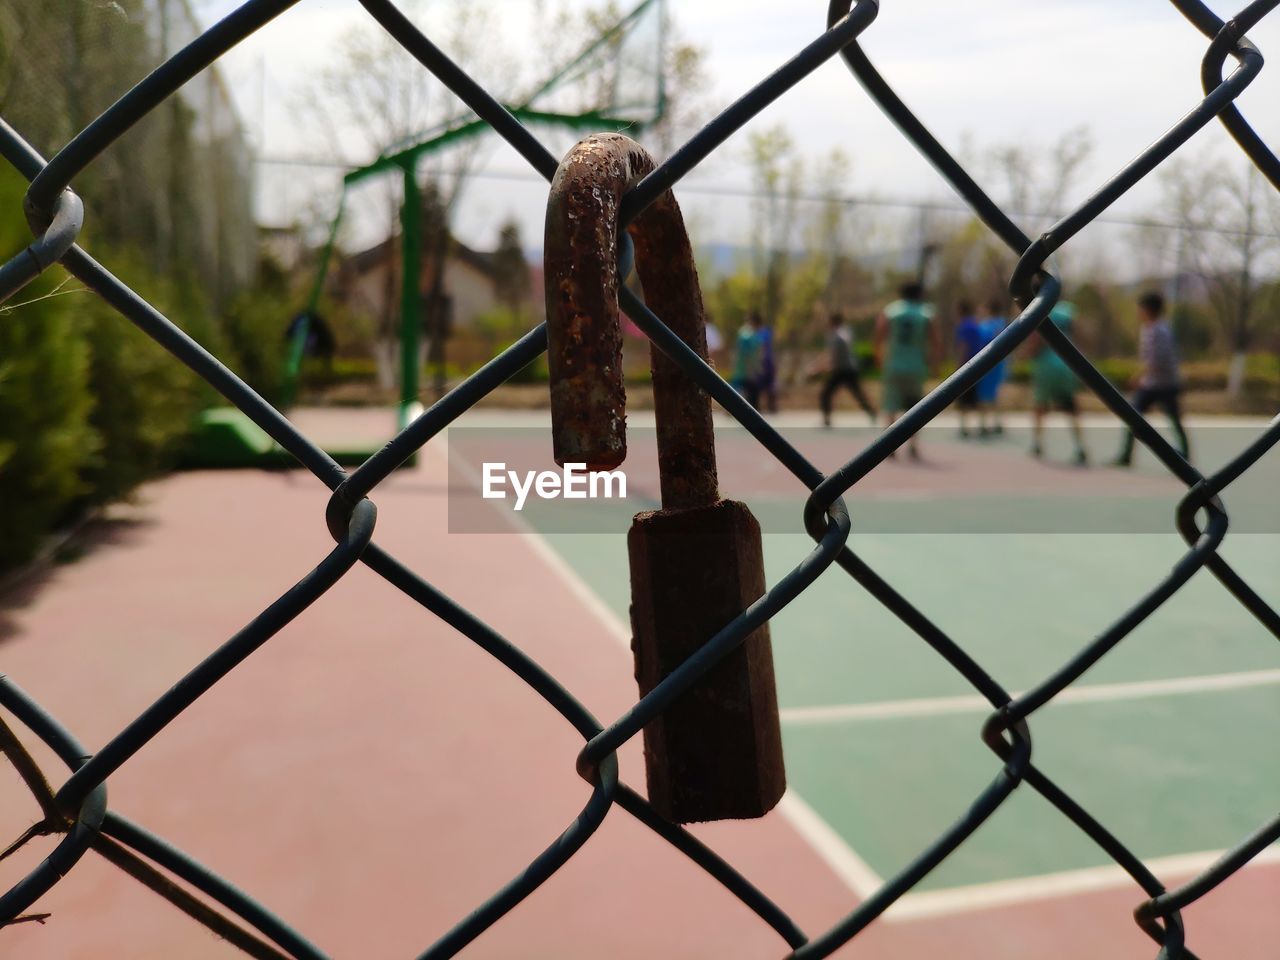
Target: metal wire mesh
x,y
78,808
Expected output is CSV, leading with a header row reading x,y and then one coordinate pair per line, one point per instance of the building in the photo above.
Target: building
x,y
369,282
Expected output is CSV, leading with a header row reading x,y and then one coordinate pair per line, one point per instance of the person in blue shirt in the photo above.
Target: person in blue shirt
x,y
969,339
988,388
768,382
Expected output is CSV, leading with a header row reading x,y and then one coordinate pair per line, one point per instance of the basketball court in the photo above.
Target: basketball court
x,y
882,737
421,775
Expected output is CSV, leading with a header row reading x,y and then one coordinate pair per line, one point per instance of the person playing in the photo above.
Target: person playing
x,y
1157,381
1054,385
842,370
746,367
715,343
906,340
768,383
318,337
988,388
969,340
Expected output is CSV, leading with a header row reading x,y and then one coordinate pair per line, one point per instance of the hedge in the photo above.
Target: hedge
x,y
90,407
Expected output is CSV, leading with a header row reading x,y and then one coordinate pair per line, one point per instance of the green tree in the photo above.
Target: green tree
x,y
511,269
46,439
776,174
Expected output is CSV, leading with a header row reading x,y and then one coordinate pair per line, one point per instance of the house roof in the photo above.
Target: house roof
x,y
365,260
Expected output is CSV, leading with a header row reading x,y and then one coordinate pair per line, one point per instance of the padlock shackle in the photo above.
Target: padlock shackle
x,y
588,399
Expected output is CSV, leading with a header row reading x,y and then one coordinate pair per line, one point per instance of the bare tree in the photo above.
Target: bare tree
x,y
375,99
1226,236
510,268
1037,182
776,173
684,84
377,96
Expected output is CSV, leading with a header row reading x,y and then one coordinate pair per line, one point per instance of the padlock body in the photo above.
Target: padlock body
x,y
715,753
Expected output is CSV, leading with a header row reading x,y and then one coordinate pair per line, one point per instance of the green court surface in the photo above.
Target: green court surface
x,y
1169,741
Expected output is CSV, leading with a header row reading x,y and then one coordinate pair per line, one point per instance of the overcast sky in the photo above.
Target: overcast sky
x,y
994,71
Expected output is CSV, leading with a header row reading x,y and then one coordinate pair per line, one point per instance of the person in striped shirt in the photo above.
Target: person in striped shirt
x,y
1158,382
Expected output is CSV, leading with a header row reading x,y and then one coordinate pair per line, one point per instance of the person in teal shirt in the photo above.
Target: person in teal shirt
x,y
906,342
1053,385
748,360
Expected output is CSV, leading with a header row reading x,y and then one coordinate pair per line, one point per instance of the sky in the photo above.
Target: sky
x,y
980,74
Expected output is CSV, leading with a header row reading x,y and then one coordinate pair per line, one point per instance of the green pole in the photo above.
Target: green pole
x,y
293,359
410,289
293,365
326,255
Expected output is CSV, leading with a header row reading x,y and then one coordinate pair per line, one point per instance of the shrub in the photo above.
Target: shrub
x,y
145,401
46,439
535,371
90,407
1119,370
254,329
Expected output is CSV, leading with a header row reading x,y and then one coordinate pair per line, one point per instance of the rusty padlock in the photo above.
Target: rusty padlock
x,y
716,752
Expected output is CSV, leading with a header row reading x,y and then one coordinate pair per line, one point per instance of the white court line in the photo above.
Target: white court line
x,y
983,896
1096,693
843,860
858,875
577,586
830,847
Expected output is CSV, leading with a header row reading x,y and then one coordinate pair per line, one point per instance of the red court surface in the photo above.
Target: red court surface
x,y
371,776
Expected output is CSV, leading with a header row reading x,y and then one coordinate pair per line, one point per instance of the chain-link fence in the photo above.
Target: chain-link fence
x,y
78,810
